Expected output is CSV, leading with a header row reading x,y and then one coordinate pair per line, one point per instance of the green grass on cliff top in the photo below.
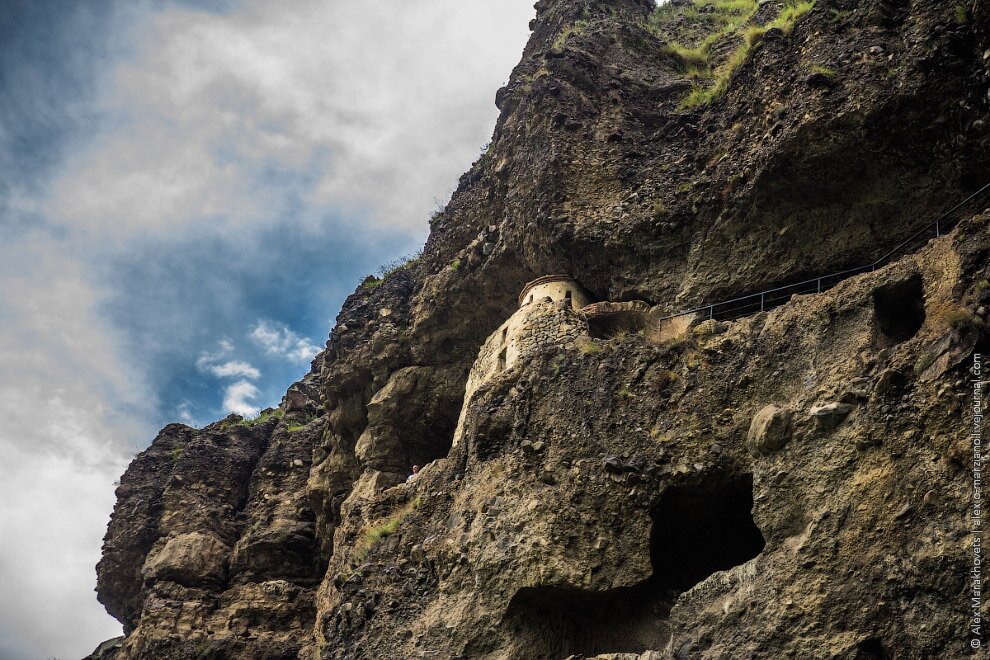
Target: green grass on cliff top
x,y
692,31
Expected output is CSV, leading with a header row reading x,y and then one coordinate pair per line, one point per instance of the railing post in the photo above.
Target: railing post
x,y
762,298
819,285
711,312
938,228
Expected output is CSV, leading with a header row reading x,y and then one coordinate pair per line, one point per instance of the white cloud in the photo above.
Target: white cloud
x,y
211,363
184,414
73,411
236,399
234,368
373,109
277,339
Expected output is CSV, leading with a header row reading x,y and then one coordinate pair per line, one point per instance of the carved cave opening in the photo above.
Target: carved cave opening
x,y
696,532
617,324
430,438
900,310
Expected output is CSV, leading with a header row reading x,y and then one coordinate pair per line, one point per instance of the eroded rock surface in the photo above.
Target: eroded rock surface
x,y
791,483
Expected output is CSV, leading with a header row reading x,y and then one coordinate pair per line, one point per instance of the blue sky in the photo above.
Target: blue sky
x,y
188,191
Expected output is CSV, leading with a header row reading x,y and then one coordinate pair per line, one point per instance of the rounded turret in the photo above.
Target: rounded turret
x,y
557,288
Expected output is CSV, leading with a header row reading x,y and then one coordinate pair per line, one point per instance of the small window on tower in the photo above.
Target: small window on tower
x,y
568,299
501,360
505,334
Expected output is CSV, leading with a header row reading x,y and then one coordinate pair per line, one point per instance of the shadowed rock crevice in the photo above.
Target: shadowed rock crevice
x,y
697,531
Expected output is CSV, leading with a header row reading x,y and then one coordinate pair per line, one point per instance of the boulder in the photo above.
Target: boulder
x,y
830,415
769,431
190,559
890,381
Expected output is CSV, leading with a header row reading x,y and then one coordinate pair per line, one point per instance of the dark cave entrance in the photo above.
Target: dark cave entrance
x,y
429,438
697,531
900,310
700,530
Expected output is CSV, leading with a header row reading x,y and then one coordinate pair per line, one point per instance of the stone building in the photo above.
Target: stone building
x,y
548,316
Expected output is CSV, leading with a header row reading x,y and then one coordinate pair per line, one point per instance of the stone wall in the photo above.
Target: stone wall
x,y
536,327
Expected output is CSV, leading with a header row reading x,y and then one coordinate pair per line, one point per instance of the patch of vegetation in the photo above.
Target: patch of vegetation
x,y
956,317
588,346
668,377
295,428
962,14
266,415
694,57
455,264
394,266
725,18
838,15
753,34
578,28
702,96
677,342
826,71
177,453
371,282
389,526
665,12
959,319
402,263
790,14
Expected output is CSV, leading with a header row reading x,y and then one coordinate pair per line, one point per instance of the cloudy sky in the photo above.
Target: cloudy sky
x,y
188,190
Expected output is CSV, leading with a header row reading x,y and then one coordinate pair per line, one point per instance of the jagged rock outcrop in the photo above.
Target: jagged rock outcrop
x,y
212,547
787,484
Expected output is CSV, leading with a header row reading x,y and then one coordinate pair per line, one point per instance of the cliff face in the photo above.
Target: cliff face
x,y
788,484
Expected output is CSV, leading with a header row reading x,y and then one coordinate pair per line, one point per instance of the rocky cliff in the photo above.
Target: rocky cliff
x,y
791,483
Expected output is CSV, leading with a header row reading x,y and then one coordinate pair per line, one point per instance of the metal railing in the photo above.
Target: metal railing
x,y
762,301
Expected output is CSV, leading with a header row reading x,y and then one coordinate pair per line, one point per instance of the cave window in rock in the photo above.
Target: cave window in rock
x,y
501,361
900,310
696,532
505,335
568,298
